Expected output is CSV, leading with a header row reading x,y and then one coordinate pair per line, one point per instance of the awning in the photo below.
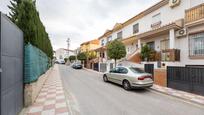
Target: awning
x,y
159,31
101,49
129,40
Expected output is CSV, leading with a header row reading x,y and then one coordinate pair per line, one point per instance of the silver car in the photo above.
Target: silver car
x,y
129,77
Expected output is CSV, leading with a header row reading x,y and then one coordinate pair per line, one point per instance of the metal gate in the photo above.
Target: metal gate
x,y
11,56
111,66
189,79
149,68
96,67
103,67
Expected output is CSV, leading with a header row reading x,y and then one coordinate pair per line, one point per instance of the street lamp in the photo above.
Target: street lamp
x,y
68,45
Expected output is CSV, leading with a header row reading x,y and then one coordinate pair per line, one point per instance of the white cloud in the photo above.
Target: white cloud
x,y
83,20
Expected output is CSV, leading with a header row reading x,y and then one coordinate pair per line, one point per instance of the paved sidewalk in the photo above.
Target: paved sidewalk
x,y
51,100
180,94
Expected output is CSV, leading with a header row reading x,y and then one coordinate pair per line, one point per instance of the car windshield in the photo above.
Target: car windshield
x,y
136,70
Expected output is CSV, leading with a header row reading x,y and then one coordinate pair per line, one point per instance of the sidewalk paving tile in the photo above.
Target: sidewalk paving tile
x,y
51,99
180,94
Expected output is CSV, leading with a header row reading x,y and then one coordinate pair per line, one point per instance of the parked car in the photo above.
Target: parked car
x,y
56,62
129,77
60,62
77,66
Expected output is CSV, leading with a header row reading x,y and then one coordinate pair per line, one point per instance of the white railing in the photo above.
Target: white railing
x,y
130,55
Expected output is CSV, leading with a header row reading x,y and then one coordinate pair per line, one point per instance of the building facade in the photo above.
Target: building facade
x,y
89,46
173,28
89,49
62,53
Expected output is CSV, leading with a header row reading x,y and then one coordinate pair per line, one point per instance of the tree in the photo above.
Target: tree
x,y
26,17
15,10
72,58
145,53
65,60
91,55
116,50
81,56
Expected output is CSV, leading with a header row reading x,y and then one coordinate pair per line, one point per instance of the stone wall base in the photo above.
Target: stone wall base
x,y
32,90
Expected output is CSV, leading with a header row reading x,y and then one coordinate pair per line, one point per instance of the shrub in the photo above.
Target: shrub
x,y
72,58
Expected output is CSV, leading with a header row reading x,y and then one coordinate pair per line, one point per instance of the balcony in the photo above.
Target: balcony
x,y
156,25
170,55
194,14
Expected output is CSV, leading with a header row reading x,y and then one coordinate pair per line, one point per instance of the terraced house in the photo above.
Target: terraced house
x,y
173,28
89,48
90,45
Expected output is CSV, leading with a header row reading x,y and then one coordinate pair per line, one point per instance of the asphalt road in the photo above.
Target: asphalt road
x,y
94,97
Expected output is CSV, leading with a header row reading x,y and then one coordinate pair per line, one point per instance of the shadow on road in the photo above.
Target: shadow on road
x,y
135,90
140,91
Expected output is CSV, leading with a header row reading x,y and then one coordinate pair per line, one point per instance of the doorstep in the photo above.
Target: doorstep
x,y
180,94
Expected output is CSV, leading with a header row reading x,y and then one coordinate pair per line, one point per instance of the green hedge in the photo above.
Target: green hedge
x,y
26,17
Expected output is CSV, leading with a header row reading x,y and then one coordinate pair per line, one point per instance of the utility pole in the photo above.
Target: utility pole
x,y
68,45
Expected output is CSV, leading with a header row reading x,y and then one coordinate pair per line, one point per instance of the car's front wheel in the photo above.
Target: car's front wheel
x,y
105,78
126,85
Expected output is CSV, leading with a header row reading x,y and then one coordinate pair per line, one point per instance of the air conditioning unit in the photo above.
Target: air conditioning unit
x,y
173,3
181,33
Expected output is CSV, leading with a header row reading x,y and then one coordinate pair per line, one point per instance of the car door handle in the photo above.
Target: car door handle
x,y
0,70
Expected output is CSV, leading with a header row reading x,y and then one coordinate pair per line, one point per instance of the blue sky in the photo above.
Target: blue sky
x,y
83,20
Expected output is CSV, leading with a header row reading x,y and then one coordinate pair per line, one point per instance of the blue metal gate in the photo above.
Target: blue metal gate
x,y
11,62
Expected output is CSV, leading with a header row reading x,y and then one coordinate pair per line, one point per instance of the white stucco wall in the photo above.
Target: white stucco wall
x,y
131,48
157,41
195,2
63,54
105,41
182,44
168,15
114,34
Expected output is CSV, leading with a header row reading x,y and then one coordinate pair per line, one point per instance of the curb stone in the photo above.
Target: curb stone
x,y
93,71
65,94
23,111
178,97
71,102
